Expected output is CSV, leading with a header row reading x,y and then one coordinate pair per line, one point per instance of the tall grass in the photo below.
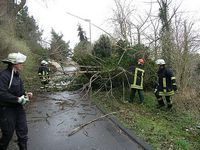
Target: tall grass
x,y
187,100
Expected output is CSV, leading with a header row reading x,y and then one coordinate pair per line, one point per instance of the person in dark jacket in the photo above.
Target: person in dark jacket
x,y
43,73
137,81
12,99
166,85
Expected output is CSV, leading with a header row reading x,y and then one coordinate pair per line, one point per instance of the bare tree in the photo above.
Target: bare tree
x,y
166,33
166,30
187,44
121,20
129,25
153,38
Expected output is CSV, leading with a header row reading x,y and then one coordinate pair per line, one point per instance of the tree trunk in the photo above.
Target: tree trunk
x,y
10,8
8,13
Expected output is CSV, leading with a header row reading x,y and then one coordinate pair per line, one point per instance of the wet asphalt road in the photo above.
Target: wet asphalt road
x,y
52,116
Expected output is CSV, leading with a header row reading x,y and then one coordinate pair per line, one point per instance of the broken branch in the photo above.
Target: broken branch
x,y
83,125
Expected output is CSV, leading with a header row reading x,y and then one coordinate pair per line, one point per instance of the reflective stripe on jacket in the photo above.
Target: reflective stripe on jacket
x,y
167,82
43,73
138,78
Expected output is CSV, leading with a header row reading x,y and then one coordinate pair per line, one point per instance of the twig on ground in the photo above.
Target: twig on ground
x,y
60,123
83,125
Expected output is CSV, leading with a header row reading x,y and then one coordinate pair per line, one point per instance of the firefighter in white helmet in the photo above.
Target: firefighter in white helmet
x,y
12,99
166,85
43,73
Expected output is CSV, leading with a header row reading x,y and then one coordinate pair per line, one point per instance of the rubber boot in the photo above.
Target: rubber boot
x,y
160,103
169,103
169,107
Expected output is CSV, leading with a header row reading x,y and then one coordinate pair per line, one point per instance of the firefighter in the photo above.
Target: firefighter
x,y
12,99
43,73
166,85
137,81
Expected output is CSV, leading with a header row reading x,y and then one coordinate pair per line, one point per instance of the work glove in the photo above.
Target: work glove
x,y
23,99
155,90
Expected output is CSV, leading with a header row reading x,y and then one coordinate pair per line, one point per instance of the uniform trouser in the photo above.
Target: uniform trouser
x,y
13,119
45,83
161,101
133,92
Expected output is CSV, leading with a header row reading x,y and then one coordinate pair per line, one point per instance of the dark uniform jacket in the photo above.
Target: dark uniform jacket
x,y
166,82
9,96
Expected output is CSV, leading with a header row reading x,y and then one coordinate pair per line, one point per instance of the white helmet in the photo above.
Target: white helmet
x,y
15,58
160,62
43,62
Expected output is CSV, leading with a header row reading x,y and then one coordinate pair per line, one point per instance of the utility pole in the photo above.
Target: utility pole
x,y
90,30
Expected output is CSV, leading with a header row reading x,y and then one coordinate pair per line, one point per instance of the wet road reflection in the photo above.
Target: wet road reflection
x,y
52,116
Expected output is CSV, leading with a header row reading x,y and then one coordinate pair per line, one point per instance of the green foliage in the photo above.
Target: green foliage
x,y
6,42
77,83
103,47
86,59
182,144
161,129
150,77
59,50
198,68
131,54
10,43
164,14
110,63
28,30
29,72
82,48
120,47
111,74
123,57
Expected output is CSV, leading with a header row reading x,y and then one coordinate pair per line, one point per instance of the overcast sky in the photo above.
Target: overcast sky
x,y
53,14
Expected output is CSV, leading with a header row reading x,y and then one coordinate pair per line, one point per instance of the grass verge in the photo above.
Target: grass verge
x,y
163,130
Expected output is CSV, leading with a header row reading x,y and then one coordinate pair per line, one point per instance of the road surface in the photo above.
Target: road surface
x,y
52,117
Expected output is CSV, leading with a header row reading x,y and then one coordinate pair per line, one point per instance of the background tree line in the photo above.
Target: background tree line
x,y
169,34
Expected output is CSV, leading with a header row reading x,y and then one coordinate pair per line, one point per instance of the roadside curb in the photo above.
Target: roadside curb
x,y
129,133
